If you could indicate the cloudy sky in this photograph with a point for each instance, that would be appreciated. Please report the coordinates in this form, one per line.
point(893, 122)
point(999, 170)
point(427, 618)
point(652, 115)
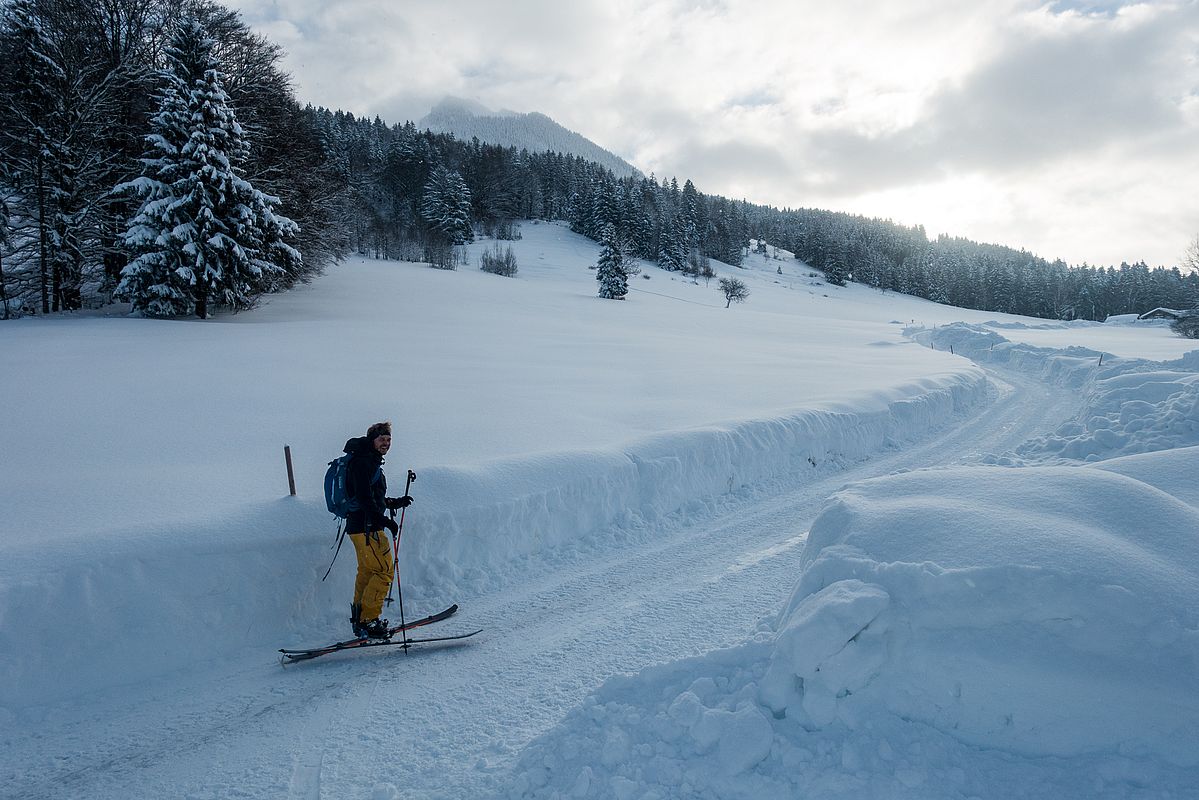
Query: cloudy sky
point(1070, 128)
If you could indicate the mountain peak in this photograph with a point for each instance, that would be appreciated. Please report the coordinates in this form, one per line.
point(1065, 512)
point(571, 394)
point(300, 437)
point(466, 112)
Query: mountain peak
point(450, 104)
point(532, 131)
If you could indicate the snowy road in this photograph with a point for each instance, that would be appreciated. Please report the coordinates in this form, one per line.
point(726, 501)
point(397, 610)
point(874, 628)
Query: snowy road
point(449, 722)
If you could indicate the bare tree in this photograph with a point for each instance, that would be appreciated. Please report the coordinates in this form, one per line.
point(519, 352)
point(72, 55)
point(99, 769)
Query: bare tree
point(1186, 326)
point(734, 291)
point(1190, 259)
point(498, 263)
point(4, 243)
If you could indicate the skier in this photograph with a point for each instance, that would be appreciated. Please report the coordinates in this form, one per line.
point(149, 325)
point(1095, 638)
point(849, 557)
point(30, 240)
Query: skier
point(367, 487)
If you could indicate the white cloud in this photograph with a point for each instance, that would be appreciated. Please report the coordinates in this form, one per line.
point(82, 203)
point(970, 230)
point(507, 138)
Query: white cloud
point(1007, 117)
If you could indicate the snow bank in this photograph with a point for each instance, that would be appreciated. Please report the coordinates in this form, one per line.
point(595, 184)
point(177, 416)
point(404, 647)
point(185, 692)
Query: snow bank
point(151, 601)
point(196, 592)
point(943, 621)
point(1130, 405)
point(1071, 366)
point(483, 520)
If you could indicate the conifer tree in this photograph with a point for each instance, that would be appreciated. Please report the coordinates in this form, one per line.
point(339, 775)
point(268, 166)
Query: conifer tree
point(692, 216)
point(203, 235)
point(672, 249)
point(605, 205)
point(446, 206)
point(835, 269)
point(612, 270)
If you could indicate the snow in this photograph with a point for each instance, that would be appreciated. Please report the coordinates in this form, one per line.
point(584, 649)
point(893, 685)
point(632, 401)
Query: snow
point(952, 633)
point(1132, 405)
point(1153, 338)
point(1016, 621)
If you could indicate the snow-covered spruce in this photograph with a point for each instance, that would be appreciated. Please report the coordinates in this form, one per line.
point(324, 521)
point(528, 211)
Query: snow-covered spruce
point(612, 270)
point(204, 236)
point(446, 206)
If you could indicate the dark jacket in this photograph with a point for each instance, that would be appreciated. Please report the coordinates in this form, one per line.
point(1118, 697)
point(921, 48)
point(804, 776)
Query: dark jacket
point(366, 485)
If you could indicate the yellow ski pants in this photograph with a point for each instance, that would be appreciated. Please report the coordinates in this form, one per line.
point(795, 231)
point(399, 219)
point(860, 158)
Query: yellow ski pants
point(375, 571)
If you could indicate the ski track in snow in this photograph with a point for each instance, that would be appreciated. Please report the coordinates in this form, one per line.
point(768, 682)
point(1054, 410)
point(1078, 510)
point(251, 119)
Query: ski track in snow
point(449, 721)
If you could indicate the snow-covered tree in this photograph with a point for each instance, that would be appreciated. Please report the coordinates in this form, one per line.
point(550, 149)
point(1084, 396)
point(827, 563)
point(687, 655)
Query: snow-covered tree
point(203, 235)
point(5, 242)
point(446, 206)
point(836, 271)
point(605, 206)
point(612, 270)
point(29, 110)
point(58, 101)
point(672, 251)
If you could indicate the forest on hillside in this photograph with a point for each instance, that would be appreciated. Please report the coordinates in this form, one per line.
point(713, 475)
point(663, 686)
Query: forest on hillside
point(153, 151)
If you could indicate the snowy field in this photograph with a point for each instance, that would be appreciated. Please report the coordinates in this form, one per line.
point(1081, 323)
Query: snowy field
point(1017, 620)
point(1112, 337)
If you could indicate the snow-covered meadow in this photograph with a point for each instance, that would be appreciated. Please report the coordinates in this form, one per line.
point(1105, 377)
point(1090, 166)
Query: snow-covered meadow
point(1022, 625)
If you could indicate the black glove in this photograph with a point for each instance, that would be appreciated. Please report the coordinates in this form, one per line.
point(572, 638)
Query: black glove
point(391, 525)
point(396, 503)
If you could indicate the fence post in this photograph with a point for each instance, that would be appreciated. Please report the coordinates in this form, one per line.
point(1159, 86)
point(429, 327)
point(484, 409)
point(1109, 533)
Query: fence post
point(291, 476)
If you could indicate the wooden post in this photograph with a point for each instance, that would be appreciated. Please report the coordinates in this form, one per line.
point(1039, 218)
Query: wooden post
point(291, 476)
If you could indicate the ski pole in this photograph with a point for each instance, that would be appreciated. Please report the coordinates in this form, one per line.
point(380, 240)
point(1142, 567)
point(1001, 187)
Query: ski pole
point(395, 540)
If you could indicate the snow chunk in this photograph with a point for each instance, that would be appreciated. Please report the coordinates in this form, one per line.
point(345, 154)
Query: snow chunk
point(743, 737)
point(821, 631)
point(1048, 611)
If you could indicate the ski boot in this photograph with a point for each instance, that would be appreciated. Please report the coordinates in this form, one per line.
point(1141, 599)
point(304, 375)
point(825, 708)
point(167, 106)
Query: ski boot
point(374, 629)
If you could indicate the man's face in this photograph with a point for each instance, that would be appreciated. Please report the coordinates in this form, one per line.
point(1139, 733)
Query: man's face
point(383, 443)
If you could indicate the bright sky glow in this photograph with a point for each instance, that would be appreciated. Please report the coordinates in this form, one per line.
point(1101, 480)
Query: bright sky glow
point(1067, 128)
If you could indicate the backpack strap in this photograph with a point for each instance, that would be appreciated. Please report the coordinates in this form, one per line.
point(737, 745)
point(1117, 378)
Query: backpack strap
point(341, 535)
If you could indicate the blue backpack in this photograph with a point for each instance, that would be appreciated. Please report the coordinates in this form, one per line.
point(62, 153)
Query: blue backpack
point(336, 497)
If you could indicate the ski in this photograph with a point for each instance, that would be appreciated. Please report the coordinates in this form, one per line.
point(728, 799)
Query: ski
point(350, 643)
point(290, 657)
